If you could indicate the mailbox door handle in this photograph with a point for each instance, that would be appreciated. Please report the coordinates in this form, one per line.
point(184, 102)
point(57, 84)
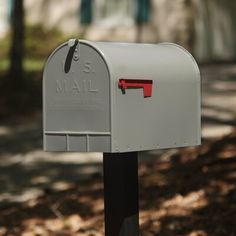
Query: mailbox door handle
point(72, 47)
point(136, 83)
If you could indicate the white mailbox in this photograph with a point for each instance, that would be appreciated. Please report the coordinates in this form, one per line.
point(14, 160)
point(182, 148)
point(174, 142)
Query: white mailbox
point(120, 97)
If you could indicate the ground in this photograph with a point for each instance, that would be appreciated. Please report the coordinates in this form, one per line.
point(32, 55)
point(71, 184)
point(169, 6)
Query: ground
point(188, 192)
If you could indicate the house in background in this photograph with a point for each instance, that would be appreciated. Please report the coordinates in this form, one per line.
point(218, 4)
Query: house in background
point(4, 17)
point(205, 27)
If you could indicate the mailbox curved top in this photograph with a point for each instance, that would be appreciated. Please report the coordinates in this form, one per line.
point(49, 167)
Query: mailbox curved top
point(119, 55)
point(120, 97)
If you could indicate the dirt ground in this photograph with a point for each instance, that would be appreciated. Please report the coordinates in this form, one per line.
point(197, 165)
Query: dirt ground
point(191, 192)
point(185, 192)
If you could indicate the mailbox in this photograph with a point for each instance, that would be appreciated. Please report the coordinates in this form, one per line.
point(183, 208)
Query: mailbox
point(120, 97)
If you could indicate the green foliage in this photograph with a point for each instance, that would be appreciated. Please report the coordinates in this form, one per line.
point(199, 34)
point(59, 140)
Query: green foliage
point(234, 114)
point(40, 42)
point(4, 48)
point(29, 64)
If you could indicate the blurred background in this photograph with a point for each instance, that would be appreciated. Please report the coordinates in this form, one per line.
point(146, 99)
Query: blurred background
point(189, 191)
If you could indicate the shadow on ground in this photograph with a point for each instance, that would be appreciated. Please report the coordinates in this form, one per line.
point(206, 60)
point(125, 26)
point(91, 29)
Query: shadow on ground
point(218, 99)
point(192, 192)
point(196, 192)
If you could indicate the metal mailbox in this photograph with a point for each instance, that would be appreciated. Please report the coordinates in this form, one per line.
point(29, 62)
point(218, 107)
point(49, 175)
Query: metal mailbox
point(120, 97)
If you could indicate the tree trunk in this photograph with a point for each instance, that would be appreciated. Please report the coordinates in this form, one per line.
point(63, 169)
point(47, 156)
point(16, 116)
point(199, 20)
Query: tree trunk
point(17, 44)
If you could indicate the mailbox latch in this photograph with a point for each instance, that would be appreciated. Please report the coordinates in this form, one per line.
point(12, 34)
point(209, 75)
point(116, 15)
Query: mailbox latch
point(136, 83)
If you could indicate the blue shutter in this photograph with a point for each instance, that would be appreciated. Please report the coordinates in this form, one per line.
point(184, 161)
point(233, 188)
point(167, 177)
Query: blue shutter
point(86, 12)
point(10, 5)
point(143, 11)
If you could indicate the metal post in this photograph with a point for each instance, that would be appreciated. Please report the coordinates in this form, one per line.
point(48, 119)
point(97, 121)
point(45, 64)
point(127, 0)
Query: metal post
point(121, 194)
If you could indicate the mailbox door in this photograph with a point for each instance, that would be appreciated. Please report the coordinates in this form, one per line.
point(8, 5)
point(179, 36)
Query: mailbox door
point(76, 100)
point(166, 117)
